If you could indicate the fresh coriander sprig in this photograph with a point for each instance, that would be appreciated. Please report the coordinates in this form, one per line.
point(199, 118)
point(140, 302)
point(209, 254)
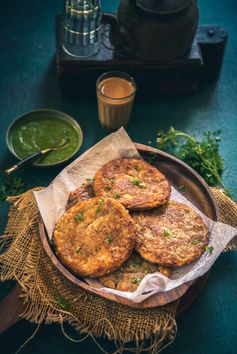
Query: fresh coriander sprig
point(61, 301)
point(98, 210)
point(79, 217)
point(109, 239)
point(202, 155)
point(138, 182)
point(182, 188)
point(166, 234)
point(137, 168)
point(90, 180)
point(11, 186)
point(209, 249)
point(136, 280)
point(195, 242)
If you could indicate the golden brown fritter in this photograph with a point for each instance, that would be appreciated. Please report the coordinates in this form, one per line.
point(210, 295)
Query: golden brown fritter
point(84, 192)
point(94, 237)
point(131, 273)
point(171, 235)
point(134, 183)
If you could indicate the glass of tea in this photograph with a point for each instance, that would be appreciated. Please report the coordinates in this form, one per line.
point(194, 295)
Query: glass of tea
point(115, 93)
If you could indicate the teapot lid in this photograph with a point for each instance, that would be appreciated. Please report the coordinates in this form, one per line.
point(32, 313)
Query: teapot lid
point(162, 7)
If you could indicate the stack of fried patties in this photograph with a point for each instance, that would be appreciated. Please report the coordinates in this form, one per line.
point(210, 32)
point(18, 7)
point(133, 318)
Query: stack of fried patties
point(122, 226)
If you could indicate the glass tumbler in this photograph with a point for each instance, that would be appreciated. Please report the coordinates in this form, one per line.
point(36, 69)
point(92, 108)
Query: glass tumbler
point(115, 94)
point(82, 27)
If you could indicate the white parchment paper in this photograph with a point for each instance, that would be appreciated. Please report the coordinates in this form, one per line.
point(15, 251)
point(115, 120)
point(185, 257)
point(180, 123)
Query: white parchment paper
point(52, 203)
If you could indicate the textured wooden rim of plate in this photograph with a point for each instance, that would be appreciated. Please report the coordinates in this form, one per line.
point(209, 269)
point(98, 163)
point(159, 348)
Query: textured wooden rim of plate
point(188, 292)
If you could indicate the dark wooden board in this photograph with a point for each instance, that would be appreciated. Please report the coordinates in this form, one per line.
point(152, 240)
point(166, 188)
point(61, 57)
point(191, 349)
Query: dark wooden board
point(77, 76)
point(196, 190)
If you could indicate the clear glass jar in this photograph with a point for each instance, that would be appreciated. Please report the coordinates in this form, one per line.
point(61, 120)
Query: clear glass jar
point(82, 27)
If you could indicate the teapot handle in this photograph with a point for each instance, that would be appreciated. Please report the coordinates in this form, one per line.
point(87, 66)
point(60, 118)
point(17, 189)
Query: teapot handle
point(114, 27)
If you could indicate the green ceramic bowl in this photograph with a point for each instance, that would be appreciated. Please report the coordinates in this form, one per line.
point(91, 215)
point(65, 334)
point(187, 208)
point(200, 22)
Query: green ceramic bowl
point(17, 136)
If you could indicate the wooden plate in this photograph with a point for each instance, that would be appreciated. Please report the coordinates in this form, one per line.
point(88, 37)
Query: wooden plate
point(196, 190)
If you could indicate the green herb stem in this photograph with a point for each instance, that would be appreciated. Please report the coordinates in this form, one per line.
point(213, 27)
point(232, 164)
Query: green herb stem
point(202, 155)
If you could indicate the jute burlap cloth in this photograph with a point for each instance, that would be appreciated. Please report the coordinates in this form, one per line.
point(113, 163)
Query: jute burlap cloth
point(49, 297)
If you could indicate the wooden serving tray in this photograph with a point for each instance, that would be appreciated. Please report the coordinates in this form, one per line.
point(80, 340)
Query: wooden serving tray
point(196, 190)
point(184, 76)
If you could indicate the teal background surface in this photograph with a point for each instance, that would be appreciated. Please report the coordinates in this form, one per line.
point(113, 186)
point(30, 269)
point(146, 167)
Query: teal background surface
point(28, 81)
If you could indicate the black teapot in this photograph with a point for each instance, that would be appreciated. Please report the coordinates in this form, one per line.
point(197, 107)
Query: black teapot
point(154, 30)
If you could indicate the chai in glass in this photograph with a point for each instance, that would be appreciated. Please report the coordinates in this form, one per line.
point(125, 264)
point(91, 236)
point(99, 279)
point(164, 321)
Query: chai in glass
point(115, 94)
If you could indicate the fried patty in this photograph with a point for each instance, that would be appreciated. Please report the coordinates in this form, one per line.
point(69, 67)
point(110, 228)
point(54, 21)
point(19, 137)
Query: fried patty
point(134, 183)
point(84, 192)
point(131, 273)
point(171, 236)
point(94, 237)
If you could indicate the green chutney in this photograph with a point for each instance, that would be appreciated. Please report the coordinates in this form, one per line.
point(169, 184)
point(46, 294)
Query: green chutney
point(34, 135)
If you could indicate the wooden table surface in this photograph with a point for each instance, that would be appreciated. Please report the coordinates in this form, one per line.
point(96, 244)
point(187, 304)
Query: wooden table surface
point(28, 81)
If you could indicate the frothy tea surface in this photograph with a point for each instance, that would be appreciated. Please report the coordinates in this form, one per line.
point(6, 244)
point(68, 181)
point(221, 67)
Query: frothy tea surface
point(116, 88)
